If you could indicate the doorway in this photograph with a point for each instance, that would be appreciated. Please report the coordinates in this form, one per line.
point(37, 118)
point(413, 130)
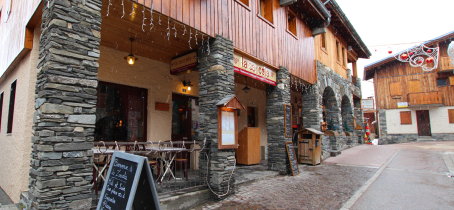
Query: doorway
point(251, 117)
point(182, 117)
point(423, 120)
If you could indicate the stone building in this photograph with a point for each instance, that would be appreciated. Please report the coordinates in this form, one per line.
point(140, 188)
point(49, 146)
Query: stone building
point(68, 86)
point(414, 103)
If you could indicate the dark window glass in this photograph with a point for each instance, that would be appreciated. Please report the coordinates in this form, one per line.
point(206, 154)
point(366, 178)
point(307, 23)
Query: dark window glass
point(442, 82)
point(1, 110)
point(120, 113)
point(12, 99)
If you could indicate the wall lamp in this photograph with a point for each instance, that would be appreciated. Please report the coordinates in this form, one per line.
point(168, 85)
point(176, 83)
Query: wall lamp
point(246, 89)
point(188, 84)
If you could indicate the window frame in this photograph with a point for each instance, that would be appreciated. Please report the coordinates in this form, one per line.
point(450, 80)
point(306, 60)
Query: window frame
point(400, 90)
point(12, 104)
point(266, 17)
point(293, 22)
point(247, 6)
point(323, 43)
point(338, 49)
point(145, 105)
point(344, 57)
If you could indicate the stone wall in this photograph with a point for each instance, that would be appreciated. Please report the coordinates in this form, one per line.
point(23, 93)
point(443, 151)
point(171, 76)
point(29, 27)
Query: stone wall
point(216, 80)
point(64, 120)
point(276, 97)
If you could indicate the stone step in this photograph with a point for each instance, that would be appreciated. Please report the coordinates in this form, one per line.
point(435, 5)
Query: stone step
point(425, 138)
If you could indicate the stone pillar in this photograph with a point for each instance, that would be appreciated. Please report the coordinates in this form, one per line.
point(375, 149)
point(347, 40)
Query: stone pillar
point(276, 97)
point(216, 80)
point(64, 120)
point(311, 107)
point(382, 128)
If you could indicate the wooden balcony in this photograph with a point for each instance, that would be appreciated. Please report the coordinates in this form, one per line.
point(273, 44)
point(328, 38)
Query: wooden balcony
point(425, 98)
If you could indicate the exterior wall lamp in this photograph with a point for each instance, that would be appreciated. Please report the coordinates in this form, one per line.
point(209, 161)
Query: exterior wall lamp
point(246, 89)
point(131, 59)
point(188, 83)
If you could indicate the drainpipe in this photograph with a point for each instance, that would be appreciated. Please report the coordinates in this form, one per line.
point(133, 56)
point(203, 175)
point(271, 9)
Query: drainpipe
point(320, 6)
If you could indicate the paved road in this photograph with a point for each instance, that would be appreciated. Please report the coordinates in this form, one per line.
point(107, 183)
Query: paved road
point(403, 176)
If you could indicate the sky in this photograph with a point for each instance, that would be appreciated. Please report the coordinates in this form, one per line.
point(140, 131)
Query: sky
point(382, 24)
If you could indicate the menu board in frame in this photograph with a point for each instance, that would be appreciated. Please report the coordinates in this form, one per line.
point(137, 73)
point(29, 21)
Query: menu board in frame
point(288, 121)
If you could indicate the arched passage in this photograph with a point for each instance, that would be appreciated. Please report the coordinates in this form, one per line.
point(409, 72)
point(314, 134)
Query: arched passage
point(347, 114)
point(330, 109)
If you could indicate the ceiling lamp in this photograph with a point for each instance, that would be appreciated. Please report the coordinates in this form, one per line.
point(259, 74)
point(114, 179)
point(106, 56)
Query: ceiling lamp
point(131, 59)
point(246, 89)
point(188, 83)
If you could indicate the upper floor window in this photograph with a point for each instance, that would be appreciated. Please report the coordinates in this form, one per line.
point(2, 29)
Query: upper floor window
point(443, 79)
point(344, 58)
point(266, 10)
point(338, 49)
point(245, 2)
point(323, 41)
point(291, 22)
point(12, 99)
point(1, 110)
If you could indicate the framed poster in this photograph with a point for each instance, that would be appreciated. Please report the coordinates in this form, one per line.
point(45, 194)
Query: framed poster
point(367, 104)
point(227, 128)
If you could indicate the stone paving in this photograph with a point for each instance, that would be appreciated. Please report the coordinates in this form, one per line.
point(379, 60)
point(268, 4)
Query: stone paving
point(326, 186)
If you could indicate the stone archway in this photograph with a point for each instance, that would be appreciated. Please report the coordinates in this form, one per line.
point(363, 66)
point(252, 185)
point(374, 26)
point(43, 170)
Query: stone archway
point(330, 109)
point(347, 114)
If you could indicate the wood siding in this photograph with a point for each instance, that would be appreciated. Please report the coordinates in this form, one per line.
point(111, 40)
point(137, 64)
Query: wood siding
point(251, 35)
point(411, 79)
point(328, 55)
point(13, 31)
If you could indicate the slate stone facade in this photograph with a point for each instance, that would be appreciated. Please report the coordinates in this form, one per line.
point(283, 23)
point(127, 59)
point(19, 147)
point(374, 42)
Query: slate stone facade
point(216, 80)
point(276, 97)
point(64, 120)
point(332, 88)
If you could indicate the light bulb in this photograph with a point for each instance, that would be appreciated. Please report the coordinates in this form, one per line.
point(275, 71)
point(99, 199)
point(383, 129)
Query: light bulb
point(189, 88)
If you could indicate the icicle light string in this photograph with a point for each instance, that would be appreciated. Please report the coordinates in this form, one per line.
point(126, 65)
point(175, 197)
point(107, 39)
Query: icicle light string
point(133, 9)
point(144, 18)
point(123, 4)
point(168, 28)
point(175, 30)
point(108, 8)
point(190, 34)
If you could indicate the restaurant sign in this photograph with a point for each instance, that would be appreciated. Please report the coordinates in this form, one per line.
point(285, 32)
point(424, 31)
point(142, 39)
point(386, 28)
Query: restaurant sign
point(183, 63)
point(251, 69)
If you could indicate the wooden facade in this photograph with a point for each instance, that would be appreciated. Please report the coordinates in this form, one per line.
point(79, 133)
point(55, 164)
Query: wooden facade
point(397, 81)
point(252, 35)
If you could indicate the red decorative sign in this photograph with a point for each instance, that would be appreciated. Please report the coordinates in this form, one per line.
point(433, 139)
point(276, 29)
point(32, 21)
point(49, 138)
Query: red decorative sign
point(183, 63)
point(253, 70)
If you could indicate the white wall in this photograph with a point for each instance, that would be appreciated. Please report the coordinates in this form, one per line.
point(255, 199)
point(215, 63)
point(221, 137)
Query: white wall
point(439, 121)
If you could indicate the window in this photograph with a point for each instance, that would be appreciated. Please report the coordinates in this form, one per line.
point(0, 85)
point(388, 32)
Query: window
point(291, 24)
point(266, 10)
point(12, 99)
point(451, 115)
point(245, 2)
point(442, 82)
point(120, 113)
point(405, 118)
point(338, 48)
point(344, 54)
point(323, 41)
point(1, 110)
point(394, 89)
point(414, 86)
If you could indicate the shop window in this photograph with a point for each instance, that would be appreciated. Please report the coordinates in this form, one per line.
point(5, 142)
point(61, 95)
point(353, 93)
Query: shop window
point(266, 10)
point(245, 2)
point(1, 110)
point(12, 99)
point(323, 41)
point(121, 113)
point(291, 24)
point(405, 118)
point(394, 89)
point(451, 115)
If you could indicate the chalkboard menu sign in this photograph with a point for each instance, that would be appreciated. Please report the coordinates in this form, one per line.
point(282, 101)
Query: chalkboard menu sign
point(292, 158)
point(288, 120)
point(129, 184)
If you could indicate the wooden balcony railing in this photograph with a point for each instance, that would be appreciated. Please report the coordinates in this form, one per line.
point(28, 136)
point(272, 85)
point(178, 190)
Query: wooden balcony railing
point(425, 98)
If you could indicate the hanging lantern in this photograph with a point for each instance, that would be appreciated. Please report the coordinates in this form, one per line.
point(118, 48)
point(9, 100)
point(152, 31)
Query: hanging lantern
point(404, 56)
point(429, 60)
point(429, 51)
point(131, 59)
point(419, 61)
point(411, 53)
point(390, 51)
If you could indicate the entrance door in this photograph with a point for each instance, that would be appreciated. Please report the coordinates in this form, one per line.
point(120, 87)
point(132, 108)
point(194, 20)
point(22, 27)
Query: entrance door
point(251, 117)
point(181, 117)
point(422, 117)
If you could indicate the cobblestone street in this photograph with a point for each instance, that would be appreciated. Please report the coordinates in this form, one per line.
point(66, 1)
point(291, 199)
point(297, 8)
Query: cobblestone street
point(326, 186)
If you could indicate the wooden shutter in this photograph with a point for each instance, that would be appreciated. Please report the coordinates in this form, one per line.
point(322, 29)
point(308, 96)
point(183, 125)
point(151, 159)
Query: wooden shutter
point(414, 86)
point(394, 89)
point(405, 118)
point(451, 80)
point(451, 115)
point(446, 64)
